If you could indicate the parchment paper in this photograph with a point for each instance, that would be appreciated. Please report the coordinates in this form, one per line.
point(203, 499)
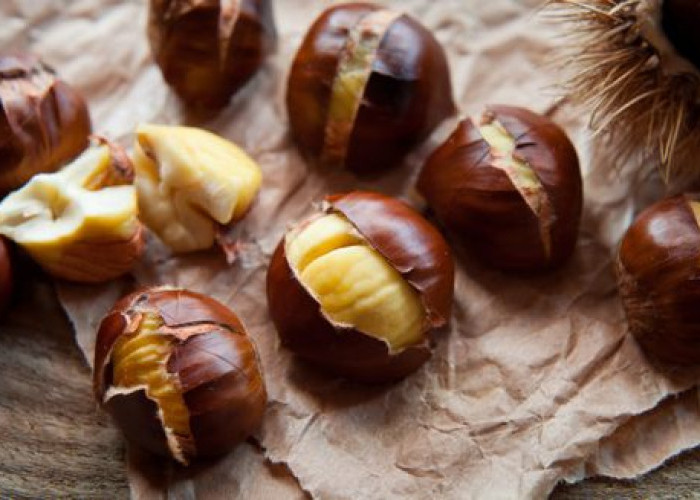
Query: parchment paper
point(535, 381)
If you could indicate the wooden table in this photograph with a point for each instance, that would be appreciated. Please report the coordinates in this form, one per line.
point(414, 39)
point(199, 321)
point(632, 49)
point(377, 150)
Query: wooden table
point(55, 442)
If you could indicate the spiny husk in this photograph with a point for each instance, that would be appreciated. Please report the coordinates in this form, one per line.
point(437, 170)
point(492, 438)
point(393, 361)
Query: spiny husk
point(641, 92)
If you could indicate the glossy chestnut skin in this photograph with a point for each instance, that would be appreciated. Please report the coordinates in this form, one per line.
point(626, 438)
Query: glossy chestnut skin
point(216, 365)
point(679, 19)
point(412, 246)
point(658, 267)
point(44, 122)
point(6, 276)
point(408, 93)
point(479, 204)
point(208, 49)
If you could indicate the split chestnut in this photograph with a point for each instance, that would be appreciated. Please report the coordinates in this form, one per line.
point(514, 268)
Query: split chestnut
point(358, 288)
point(178, 373)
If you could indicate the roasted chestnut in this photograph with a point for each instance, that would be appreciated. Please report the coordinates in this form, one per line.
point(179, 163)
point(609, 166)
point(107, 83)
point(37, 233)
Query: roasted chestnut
point(366, 85)
point(208, 49)
point(178, 373)
point(358, 288)
point(658, 268)
point(43, 121)
point(508, 185)
point(5, 274)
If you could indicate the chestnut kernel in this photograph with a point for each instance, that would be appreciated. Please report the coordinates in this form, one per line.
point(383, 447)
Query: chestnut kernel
point(43, 121)
point(358, 289)
point(658, 268)
point(366, 85)
point(178, 373)
point(207, 50)
point(508, 185)
point(80, 223)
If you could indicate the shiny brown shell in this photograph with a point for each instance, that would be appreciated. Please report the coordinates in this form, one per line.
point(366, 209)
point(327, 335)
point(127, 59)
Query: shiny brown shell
point(408, 93)
point(479, 204)
point(658, 267)
point(44, 122)
point(215, 362)
point(208, 49)
point(412, 246)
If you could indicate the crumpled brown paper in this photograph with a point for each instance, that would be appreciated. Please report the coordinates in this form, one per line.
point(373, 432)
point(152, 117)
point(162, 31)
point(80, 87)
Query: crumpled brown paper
point(536, 379)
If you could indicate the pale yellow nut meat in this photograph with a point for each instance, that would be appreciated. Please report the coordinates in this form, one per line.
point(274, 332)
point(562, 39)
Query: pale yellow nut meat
point(53, 213)
point(354, 284)
point(189, 181)
point(140, 360)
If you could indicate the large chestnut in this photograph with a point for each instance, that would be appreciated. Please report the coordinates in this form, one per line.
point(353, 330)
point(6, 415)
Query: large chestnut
point(358, 288)
point(178, 373)
point(366, 85)
point(658, 267)
point(208, 49)
point(43, 121)
point(507, 184)
point(5, 274)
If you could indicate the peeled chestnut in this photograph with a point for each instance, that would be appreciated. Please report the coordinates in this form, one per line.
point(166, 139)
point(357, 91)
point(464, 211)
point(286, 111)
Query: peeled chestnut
point(43, 121)
point(508, 185)
point(358, 288)
point(366, 85)
point(5, 274)
point(178, 373)
point(208, 49)
point(658, 267)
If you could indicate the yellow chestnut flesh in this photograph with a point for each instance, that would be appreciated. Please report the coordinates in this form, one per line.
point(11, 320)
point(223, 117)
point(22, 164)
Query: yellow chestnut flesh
point(139, 360)
point(190, 182)
point(77, 223)
point(355, 286)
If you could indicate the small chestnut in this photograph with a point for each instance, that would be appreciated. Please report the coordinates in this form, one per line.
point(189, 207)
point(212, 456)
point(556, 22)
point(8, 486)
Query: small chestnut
point(207, 50)
point(6, 283)
point(508, 185)
point(43, 121)
point(658, 268)
point(366, 85)
point(358, 288)
point(178, 373)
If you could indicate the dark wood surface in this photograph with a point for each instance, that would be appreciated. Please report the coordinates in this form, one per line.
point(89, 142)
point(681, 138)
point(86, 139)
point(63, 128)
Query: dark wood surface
point(55, 443)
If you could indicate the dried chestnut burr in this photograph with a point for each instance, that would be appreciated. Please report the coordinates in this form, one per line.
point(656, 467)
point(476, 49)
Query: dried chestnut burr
point(366, 85)
point(43, 121)
point(358, 288)
point(178, 373)
point(658, 267)
point(208, 49)
point(508, 185)
point(5, 274)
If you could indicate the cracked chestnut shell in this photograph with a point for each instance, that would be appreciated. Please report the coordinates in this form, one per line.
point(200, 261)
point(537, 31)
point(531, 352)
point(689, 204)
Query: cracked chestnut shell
point(208, 49)
point(507, 185)
point(178, 373)
point(658, 268)
point(43, 121)
point(5, 274)
point(363, 296)
point(366, 85)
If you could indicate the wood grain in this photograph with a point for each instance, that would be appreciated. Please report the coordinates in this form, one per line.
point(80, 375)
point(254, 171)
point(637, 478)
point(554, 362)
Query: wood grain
point(55, 442)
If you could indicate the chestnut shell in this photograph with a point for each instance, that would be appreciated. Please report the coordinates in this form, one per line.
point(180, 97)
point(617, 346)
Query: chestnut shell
point(6, 276)
point(658, 267)
point(408, 93)
point(184, 37)
point(217, 368)
point(44, 122)
point(479, 204)
point(412, 246)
